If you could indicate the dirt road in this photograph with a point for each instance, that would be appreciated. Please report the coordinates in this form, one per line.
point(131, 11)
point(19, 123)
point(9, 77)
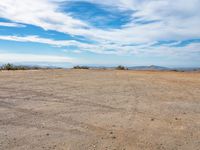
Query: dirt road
point(99, 110)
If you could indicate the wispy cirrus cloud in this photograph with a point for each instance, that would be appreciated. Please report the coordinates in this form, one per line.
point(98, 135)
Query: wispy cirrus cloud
point(47, 14)
point(10, 24)
point(42, 13)
point(31, 58)
point(37, 39)
point(118, 49)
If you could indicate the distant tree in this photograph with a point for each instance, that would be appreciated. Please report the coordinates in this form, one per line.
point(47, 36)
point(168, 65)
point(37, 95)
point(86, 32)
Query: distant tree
point(81, 67)
point(19, 67)
point(121, 68)
point(8, 67)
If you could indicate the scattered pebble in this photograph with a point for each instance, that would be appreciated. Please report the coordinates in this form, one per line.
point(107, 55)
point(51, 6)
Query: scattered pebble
point(177, 119)
point(114, 137)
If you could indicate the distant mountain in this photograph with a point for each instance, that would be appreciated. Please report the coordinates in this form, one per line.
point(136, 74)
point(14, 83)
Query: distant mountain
point(152, 67)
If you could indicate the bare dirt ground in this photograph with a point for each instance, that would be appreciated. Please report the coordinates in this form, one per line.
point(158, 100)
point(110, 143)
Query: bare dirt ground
point(99, 110)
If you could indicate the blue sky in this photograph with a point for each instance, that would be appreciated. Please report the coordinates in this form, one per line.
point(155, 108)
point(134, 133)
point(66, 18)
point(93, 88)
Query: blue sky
point(102, 33)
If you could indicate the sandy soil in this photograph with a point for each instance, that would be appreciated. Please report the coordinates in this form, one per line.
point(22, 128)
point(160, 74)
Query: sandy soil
point(99, 110)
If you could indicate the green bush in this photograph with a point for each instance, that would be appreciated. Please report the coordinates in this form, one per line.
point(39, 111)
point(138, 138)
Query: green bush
point(8, 67)
point(81, 67)
point(121, 68)
point(19, 67)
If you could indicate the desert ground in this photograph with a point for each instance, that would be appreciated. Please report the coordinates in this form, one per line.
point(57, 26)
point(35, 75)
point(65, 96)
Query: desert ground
point(99, 110)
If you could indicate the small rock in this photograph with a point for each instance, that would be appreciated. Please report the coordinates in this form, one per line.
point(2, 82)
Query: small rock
point(176, 118)
point(114, 137)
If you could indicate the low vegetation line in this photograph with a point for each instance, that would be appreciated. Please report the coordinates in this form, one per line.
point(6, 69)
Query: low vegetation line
point(21, 67)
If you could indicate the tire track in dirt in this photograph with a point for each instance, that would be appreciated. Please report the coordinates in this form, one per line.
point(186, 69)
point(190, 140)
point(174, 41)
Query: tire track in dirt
point(60, 99)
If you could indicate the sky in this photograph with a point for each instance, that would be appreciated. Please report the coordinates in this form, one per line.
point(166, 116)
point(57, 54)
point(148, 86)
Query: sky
point(100, 32)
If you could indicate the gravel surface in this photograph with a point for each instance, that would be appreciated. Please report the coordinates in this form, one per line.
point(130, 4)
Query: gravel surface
point(99, 110)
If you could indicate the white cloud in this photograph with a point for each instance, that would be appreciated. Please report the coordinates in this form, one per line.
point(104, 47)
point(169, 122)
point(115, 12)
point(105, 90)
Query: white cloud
point(25, 58)
point(118, 49)
point(8, 24)
point(37, 39)
point(42, 13)
point(178, 20)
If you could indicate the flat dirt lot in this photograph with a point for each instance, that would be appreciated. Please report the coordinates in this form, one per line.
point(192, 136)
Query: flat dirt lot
point(99, 110)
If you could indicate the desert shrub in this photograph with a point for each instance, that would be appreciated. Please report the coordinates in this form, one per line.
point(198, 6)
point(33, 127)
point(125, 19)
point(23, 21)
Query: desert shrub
point(121, 68)
point(175, 70)
point(18, 67)
point(81, 67)
point(13, 67)
point(8, 67)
